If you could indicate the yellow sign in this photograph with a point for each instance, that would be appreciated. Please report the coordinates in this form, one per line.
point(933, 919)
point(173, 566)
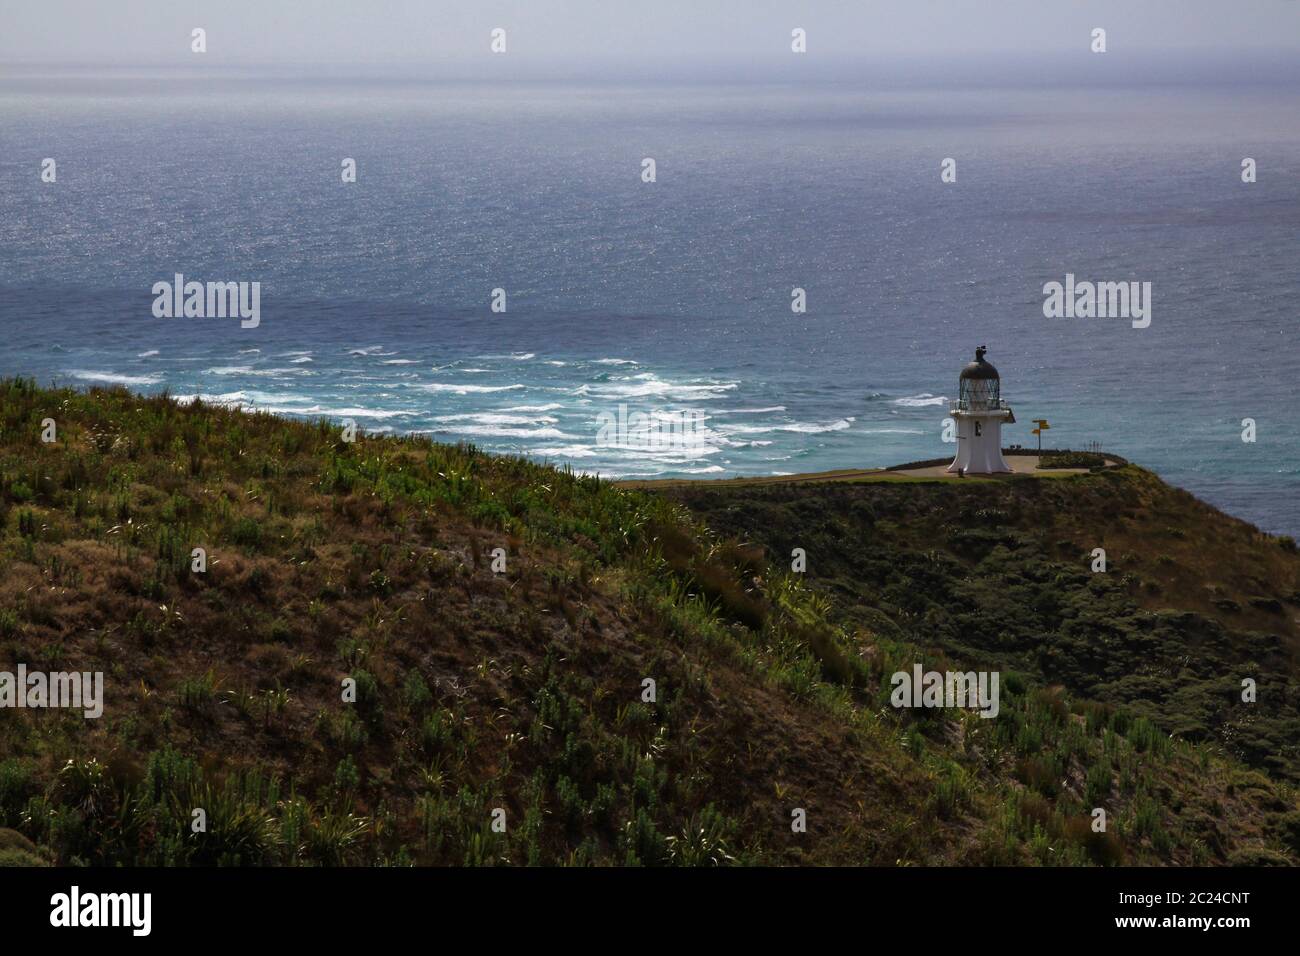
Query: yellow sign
point(1041, 423)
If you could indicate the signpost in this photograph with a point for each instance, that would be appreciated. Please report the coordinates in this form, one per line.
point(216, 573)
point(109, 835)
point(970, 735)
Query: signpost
point(1042, 427)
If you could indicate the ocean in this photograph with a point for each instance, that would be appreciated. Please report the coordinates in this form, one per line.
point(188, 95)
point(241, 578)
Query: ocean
point(673, 297)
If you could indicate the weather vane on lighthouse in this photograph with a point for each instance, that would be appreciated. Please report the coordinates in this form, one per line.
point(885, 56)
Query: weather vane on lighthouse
point(979, 414)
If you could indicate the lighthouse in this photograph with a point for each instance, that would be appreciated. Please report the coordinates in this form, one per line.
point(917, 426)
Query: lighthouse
point(979, 414)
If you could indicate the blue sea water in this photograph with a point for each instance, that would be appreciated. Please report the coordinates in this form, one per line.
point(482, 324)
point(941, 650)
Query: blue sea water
point(675, 295)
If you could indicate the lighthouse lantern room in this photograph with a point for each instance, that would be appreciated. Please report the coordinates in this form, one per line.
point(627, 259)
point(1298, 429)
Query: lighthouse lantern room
point(979, 414)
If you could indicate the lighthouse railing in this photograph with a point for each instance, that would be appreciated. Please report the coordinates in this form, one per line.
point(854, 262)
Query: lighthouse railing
point(980, 405)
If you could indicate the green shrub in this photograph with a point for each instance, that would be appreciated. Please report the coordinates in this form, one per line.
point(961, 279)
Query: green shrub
point(17, 786)
point(17, 850)
point(247, 533)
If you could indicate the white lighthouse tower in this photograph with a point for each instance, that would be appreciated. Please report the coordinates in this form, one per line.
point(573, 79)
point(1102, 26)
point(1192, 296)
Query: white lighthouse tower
point(979, 414)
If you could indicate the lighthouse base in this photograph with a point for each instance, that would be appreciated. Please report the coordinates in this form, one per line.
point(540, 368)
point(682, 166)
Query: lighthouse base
point(979, 442)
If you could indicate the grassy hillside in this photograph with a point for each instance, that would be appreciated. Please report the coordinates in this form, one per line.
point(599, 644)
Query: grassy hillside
point(522, 690)
point(1000, 575)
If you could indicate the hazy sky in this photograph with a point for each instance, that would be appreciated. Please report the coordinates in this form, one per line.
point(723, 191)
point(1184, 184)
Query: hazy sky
point(572, 32)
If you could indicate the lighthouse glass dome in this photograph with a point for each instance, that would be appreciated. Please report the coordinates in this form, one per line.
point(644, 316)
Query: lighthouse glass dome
point(980, 385)
point(976, 393)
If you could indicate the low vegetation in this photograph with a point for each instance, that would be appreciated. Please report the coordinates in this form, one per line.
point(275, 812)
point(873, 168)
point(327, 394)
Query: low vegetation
point(1071, 459)
point(485, 694)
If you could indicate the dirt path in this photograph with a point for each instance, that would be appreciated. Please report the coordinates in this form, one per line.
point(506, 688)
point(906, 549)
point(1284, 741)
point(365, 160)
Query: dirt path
point(1020, 465)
